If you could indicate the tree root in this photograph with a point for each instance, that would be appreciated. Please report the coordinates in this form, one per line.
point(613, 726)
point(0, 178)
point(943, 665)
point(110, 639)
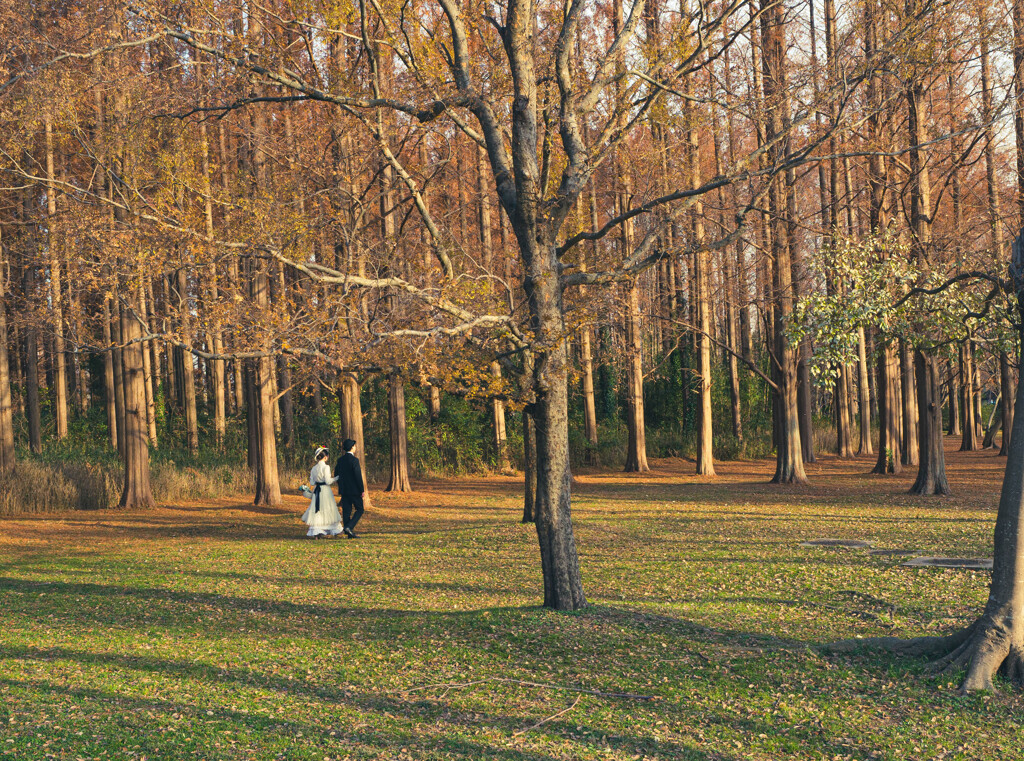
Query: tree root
point(981, 650)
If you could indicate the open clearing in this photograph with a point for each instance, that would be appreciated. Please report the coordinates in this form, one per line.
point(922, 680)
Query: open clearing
point(216, 631)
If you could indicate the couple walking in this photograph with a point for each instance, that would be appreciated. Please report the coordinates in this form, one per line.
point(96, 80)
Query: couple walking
point(322, 514)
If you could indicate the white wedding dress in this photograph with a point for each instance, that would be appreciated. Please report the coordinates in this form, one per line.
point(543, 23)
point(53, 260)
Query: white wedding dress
point(328, 519)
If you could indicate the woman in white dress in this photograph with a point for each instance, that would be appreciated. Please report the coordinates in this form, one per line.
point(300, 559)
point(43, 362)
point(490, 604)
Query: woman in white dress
point(322, 515)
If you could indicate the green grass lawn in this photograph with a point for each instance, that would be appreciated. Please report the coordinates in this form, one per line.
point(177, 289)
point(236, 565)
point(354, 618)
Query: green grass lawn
point(217, 632)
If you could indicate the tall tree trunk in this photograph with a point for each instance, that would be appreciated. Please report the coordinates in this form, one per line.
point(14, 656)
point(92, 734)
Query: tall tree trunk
point(1006, 386)
point(399, 480)
point(215, 337)
point(970, 434)
point(262, 404)
point(863, 394)
point(636, 449)
point(931, 478)
point(7, 454)
point(888, 410)
point(954, 401)
point(54, 245)
point(498, 419)
point(135, 449)
point(910, 451)
point(110, 401)
point(931, 475)
point(529, 467)
point(186, 362)
point(789, 466)
point(147, 372)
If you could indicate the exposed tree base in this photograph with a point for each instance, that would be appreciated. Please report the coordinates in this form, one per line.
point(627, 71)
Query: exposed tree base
point(982, 650)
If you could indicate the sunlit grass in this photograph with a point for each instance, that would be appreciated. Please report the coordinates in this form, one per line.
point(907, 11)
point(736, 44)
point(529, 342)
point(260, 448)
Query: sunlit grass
point(215, 631)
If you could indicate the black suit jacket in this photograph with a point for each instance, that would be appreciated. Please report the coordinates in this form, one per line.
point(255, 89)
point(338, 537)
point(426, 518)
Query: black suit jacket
point(350, 475)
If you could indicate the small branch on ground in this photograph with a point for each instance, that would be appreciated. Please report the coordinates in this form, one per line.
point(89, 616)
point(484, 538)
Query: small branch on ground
point(549, 718)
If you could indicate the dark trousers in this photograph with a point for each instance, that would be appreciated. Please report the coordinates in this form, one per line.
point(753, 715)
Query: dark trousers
point(349, 517)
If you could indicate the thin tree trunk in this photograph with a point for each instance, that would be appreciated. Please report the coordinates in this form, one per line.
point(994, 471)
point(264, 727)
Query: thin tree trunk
point(954, 401)
point(7, 454)
point(187, 380)
point(863, 394)
point(147, 372)
point(60, 383)
point(911, 449)
point(970, 433)
point(110, 402)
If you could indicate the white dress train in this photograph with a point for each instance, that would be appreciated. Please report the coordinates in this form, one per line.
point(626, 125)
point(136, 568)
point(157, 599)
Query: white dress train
point(328, 520)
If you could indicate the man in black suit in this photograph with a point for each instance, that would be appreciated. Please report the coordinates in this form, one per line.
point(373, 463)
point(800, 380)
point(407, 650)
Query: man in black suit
point(351, 488)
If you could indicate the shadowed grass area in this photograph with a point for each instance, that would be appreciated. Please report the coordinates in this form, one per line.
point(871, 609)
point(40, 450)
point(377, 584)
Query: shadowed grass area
point(215, 631)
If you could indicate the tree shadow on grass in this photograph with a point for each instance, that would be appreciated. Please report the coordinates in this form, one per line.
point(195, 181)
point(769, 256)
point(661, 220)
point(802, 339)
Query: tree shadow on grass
point(437, 714)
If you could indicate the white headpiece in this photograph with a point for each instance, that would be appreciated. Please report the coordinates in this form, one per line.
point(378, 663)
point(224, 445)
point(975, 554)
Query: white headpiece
point(319, 451)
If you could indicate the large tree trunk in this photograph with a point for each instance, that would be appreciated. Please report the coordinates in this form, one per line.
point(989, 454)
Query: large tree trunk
point(1006, 386)
point(352, 410)
point(931, 475)
point(563, 587)
point(789, 462)
point(399, 480)
point(261, 408)
point(136, 492)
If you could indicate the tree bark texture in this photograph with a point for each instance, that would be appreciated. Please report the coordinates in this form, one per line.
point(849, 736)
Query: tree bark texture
point(399, 480)
point(136, 493)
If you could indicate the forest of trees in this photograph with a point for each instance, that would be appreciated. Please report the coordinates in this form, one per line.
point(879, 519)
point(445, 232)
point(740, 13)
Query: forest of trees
point(748, 226)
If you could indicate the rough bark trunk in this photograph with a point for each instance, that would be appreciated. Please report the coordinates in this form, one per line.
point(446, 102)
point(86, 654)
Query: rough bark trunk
point(970, 423)
point(931, 475)
point(789, 465)
point(529, 467)
point(1006, 385)
point(888, 409)
point(399, 480)
point(136, 492)
point(261, 409)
